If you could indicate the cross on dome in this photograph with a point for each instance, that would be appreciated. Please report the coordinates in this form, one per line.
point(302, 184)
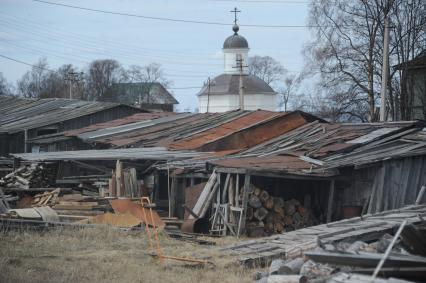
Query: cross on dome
point(235, 28)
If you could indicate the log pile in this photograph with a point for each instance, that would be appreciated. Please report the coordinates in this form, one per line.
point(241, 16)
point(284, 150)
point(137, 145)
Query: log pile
point(35, 175)
point(267, 214)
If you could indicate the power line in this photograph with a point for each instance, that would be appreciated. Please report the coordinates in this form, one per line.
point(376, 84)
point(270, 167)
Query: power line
point(36, 35)
point(94, 40)
point(171, 19)
point(46, 69)
point(25, 63)
point(69, 57)
point(264, 1)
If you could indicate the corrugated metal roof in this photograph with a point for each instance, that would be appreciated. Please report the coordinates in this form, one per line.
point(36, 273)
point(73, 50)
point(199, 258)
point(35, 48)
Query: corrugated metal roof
point(153, 153)
point(318, 149)
point(162, 131)
point(233, 130)
point(197, 140)
point(19, 114)
point(138, 117)
point(128, 130)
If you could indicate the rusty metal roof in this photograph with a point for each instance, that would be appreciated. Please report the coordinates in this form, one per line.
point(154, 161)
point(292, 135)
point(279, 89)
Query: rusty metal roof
point(319, 149)
point(244, 132)
point(192, 128)
point(233, 130)
point(197, 140)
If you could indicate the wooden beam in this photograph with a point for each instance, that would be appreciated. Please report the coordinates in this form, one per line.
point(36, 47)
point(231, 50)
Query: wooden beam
point(225, 187)
point(246, 191)
point(230, 170)
point(330, 201)
point(204, 196)
point(271, 174)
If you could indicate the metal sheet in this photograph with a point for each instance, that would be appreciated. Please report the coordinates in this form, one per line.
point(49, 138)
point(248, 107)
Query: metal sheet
point(26, 213)
point(47, 214)
point(223, 130)
point(125, 220)
point(119, 122)
point(136, 209)
point(199, 226)
point(19, 114)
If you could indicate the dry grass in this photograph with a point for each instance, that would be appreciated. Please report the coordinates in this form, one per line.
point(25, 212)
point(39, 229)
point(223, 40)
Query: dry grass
point(105, 255)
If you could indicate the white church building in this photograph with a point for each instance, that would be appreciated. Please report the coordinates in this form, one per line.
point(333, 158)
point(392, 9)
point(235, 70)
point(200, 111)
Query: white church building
point(223, 92)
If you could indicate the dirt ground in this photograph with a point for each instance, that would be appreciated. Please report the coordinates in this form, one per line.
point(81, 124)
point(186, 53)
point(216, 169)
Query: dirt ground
point(106, 255)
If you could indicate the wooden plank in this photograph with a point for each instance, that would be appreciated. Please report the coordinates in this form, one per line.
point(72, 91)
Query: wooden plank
point(231, 197)
point(118, 178)
point(366, 259)
point(244, 204)
point(208, 200)
point(225, 187)
point(204, 195)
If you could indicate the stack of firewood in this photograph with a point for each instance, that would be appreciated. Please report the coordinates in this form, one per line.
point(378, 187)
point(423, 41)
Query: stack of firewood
point(267, 214)
point(33, 175)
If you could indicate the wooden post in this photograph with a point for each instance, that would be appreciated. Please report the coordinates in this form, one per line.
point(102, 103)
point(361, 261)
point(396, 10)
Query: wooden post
point(156, 187)
point(25, 140)
point(225, 188)
point(330, 201)
point(237, 190)
point(231, 197)
point(246, 190)
point(172, 197)
point(118, 176)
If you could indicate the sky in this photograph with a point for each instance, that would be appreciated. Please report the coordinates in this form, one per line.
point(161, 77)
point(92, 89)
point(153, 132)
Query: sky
point(188, 52)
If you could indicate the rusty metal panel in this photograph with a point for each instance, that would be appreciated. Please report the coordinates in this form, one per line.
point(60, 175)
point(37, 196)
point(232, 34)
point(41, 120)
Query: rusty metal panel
point(257, 133)
point(200, 139)
point(125, 220)
point(191, 196)
point(136, 209)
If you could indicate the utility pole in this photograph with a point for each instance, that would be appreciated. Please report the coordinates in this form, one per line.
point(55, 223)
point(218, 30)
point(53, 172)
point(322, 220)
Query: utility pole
point(241, 67)
point(73, 77)
point(209, 84)
point(385, 74)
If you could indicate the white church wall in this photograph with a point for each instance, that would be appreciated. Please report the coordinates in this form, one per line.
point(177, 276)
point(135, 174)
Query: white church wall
point(223, 103)
point(230, 59)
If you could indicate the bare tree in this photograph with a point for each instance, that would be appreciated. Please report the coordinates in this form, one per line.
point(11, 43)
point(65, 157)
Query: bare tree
point(41, 82)
point(5, 87)
point(408, 39)
point(101, 75)
point(31, 83)
point(343, 49)
point(151, 73)
point(347, 50)
point(266, 68)
point(286, 92)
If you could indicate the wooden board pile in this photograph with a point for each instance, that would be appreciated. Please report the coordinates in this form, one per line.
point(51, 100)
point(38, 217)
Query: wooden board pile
point(124, 182)
point(35, 175)
point(76, 203)
point(45, 198)
point(269, 214)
